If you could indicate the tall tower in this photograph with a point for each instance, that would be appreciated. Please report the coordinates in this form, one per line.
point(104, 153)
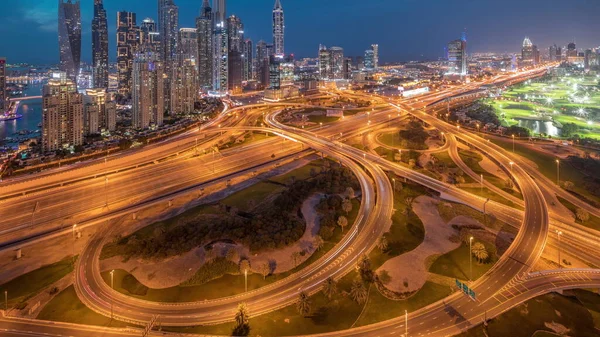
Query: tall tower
point(3, 97)
point(375, 48)
point(69, 37)
point(248, 59)
point(128, 40)
point(204, 29)
point(278, 29)
point(62, 114)
point(235, 30)
point(148, 89)
point(149, 35)
point(100, 45)
point(221, 47)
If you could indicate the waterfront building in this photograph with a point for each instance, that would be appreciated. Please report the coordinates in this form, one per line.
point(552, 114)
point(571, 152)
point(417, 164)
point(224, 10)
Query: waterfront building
point(100, 46)
point(62, 113)
point(69, 37)
point(99, 102)
point(278, 29)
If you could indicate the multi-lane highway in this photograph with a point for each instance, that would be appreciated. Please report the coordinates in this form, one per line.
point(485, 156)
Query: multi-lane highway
point(511, 271)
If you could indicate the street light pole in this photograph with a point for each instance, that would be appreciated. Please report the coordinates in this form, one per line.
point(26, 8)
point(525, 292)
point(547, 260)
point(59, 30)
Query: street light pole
point(246, 279)
point(481, 186)
point(484, 213)
point(112, 286)
point(6, 300)
point(471, 258)
point(405, 323)
point(557, 172)
point(558, 234)
point(513, 137)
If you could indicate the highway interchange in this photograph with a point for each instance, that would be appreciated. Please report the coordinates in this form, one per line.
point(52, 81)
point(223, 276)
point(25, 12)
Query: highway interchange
point(456, 313)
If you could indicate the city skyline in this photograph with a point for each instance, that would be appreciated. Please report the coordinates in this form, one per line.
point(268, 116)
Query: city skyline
point(484, 34)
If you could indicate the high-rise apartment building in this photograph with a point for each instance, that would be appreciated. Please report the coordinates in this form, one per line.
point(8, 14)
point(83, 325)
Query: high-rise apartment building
point(369, 60)
point(188, 44)
point(149, 35)
point(325, 71)
point(278, 29)
point(184, 85)
point(3, 94)
point(262, 63)
point(204, 29)
point(100, 112)
point(69, 37)
point(337, 63)
point(148, 90)
point(527, 57)
point(128, 40)
point(235, 31)
point(62, 113)
point(100, 46)
point(168, 24)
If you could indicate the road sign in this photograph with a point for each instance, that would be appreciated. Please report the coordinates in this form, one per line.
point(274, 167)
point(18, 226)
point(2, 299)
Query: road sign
point(465, 289)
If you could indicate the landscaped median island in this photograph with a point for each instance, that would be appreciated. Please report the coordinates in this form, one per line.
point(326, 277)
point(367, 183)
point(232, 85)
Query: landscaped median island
point(269, 231)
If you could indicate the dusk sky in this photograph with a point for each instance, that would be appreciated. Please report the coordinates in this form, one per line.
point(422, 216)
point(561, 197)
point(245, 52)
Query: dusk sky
point(404, 29)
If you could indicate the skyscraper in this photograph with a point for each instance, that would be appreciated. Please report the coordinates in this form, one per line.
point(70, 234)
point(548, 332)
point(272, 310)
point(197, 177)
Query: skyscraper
point(3, 96)
point(187, 45)
point(278, 29)
point(62, 113)
point(100, 45)
point(375, 48)
point(204, 29)
point(69, 37)
point(184, 86)
point(248, 59)
point(98, 103)
point(128, 39)
point(149, 35)
point(337, 63)
point(148, 90)
point(262, 63)
point(325, 71)
point(221, 47)
point(369, 61)
point(235, 31)
point(457, 57)
point(527, 57)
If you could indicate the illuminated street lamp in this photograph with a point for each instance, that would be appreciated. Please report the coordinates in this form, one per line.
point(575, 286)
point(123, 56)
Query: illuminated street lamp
point(558, 235)
point(112, 286)
point(511, 167)
point(557, 172)
point(513, 138)
point(471, 258)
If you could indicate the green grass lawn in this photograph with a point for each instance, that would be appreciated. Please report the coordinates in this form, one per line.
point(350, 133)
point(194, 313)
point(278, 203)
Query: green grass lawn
point(593, 222)
point(455, 264)
point(487, 194)
point(546, 164)
point(472, 159)
point(525, 320)
point(226, 285)
point(27, 285)
point(322, 119)
point(300, 173)
point(449, 213)
point(66, 307)
point(257, 192)
point(326, 315)
point(380, 308)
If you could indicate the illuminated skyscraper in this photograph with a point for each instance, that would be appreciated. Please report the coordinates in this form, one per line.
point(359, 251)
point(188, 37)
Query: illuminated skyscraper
point(128, 40)
point(375, 48)
point(100, 46)
point(337, 63)
point(204, 29)
point(3, 96)
point(184, 86)
point(457, 57)
point(62, 113)
point(100, 111)
point(69, 37)
point(262, 63)
point(149, 35)
point(187, 46)
point(235, 31)
point(278, 29)
point(221, 47)
point(527, 57)
point(168, 24)
point(369, 61)
point(248, 59)
point(148, 90)
point(325, 71)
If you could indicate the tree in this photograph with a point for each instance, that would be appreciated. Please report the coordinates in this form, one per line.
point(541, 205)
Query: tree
point(350, 193)
point(382, 243)
point(295, 258)
point(329, 287)
point(265, 269)
point(244, 266)
point(358, 292)
point(567, 185)
point(582, 215)
point(242, 321)
point(480, 252)
point(347, 206)
point(303, 304)
point(318, 242)
point(342, 222)
point(232, 255)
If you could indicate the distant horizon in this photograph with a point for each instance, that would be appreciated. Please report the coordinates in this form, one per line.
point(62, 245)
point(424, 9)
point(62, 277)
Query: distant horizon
point(405, 30)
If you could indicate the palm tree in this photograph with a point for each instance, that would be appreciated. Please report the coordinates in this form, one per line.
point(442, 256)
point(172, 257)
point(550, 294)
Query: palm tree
point(408, 202)
point(303, 304)
point(382, 243)
point(329, 287)
point(318, 242)
point(347, 206)
point(350, 192)
point(244, 266)
point(241, 316)
point(295, 258)
point(342, 222)
point(582, 215)
point(358, 292)
point(364, 263)
point(480, 252)
point(265, 269)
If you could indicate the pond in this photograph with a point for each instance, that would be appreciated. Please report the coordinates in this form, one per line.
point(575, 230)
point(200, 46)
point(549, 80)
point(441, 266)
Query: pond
point(537, 127)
